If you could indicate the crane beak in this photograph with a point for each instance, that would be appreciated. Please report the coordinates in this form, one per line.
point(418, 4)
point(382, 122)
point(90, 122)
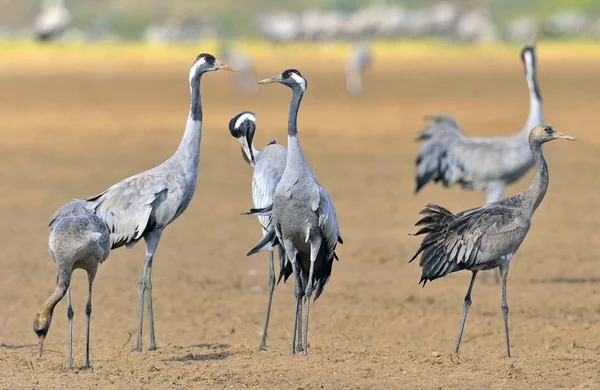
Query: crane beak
point(41, 344)
point(274, 79)
point(220, 65)
point(560, 135)
point(248, 155)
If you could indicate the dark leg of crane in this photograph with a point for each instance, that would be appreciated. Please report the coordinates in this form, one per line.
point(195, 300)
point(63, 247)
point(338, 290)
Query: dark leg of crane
point(504, 275)
point(315, 244)
point(88, 314)
point(70, 315)
point(291, 252)
point(263, 343)
point(300, 335)
point(152, 239)
point(465, 311)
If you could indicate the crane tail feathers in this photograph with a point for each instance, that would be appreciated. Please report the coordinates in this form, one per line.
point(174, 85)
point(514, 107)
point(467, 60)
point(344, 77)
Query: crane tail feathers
point(263, 212)
point(434, 264)
point(268, 241)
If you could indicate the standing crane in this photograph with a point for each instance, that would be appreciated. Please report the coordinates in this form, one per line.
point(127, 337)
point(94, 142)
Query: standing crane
point(303, 217)
point(358, 62)
point(268, 165)
point(52, 21)
point(477, 163)
point(78, 239)
point(486, 237)
point(141, 206)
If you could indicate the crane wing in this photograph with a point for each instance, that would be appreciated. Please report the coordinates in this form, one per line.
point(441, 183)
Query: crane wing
point(472, 239)
point(127, 207)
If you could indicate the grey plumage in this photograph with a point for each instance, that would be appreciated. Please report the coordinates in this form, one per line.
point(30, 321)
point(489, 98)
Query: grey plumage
point(358, 62)
point(268, 165)
point(449, 156)
point(78, 239)
point(141, 206)
point(303, 217)
point(486, 237)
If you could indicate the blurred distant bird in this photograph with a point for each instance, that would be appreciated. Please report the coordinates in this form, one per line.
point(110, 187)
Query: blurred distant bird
point(53, 20)
point(78, 239)
point(268, 164)
point(486, 237)
point(475, 163)
point(303, 217)
point(359, 61)
point(141, 206)
point(245, 80)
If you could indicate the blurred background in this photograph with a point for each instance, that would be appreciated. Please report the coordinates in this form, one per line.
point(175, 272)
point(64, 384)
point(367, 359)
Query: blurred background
point(179, 21)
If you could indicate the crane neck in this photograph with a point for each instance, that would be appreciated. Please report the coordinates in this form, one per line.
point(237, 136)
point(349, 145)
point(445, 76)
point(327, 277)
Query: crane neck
point(294, 155)
point(47, 309)
point(536, 114)
point(189, 147)
point(537, 190)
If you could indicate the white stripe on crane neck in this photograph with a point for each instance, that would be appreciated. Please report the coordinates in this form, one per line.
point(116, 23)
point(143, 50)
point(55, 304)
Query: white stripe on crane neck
point(245, 117)
point(299, 80)
point(528, 61)
point(195, 67)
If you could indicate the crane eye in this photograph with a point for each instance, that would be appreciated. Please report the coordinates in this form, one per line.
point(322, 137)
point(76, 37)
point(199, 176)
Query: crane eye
point(548, 130)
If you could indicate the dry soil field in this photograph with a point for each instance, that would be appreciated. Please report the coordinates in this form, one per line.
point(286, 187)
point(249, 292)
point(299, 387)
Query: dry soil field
point(72, 128)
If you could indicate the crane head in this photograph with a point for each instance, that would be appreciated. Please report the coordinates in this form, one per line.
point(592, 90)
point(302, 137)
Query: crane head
point(205, 62)
point(41, 325)
point(528, 58)
point(544, 133)
point(242, 127)
point(528, 53)
point(291, 78)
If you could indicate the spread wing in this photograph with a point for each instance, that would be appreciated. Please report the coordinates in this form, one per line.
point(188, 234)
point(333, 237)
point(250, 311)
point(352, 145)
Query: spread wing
point(469, 240)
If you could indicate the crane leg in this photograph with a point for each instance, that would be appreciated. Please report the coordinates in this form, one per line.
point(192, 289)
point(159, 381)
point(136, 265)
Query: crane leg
point(70, 315)
point(300, 335)
point(315, 244)
point(88, 314)
point(291, 251)
point(263, 343)
point(465, 311)
point(152, 239)
point(504, 275)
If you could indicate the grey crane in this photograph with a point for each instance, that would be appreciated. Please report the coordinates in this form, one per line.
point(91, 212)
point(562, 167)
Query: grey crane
point(358, 62)
point(141, 206)
point(78, 239)
point(52, 21)
point(268, 165)
point(476, 163)
point(486, 237)
point(303, 217)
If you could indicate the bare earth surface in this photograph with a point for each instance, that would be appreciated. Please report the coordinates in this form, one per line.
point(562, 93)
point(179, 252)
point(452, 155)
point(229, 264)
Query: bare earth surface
point(72, 130)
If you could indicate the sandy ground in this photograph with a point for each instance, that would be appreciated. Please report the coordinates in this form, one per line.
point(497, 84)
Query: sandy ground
point(72, 131)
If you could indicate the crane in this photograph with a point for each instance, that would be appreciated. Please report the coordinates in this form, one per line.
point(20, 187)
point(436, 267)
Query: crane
point(485, 237)
point(304, 220)
point(268, 165)
point(476, 163)
point(53, 20)
point(358, 62)
point(142, 205)
point(78, 239)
